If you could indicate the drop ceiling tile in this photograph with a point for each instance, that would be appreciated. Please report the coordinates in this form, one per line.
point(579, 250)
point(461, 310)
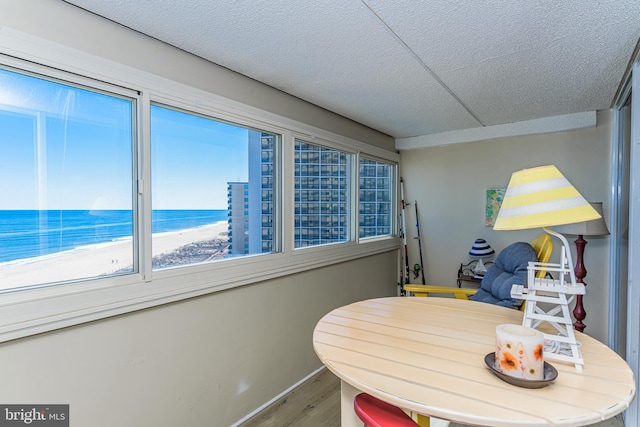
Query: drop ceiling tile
point(408, 67)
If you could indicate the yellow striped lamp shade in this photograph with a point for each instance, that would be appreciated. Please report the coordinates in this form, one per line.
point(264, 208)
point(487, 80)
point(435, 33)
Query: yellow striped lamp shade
point(541, 197)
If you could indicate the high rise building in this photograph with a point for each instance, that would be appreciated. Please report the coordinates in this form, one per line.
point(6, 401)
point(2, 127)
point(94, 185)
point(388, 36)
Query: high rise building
point(238, 217)
point(321, 183)
point(321, 197)
point(375, 198)
point(250, 204)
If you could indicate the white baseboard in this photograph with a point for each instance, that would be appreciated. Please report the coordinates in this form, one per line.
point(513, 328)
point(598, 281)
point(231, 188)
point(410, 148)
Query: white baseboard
point(278, 397)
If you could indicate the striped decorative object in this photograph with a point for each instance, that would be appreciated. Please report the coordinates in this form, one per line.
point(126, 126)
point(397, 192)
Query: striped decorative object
point(541, 197)
point(481, 249)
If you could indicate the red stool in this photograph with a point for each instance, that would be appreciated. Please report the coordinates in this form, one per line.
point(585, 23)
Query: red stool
point(376, 413)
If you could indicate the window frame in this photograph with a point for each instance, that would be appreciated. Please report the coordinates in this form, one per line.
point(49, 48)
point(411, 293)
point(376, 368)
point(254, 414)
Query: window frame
point(275, 177)
point(31, 311)
point(393, 185)
point(352, 187)
point(104, 88)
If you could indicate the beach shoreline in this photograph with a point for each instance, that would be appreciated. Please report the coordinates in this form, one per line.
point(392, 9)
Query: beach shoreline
point(169, 249)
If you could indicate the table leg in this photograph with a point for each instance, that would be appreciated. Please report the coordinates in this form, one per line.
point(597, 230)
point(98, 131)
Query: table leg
point(348, 416)
point(423, 420)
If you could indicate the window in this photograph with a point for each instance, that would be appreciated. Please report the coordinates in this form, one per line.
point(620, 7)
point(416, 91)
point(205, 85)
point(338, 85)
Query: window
point(321, 185)
point(375, 198)
point(212, 185)
point(66, 202)
point(94, 185)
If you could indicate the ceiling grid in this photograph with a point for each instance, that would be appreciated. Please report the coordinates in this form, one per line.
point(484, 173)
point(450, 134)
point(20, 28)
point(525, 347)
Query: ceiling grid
point(408, 68)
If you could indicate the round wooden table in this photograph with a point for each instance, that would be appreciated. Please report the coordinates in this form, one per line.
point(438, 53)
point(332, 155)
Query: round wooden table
point(426, 355)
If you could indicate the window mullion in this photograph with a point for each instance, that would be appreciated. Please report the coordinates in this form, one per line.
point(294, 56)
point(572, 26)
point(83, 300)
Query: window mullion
point(143, 173)
point(287, 230)
point(354, 186)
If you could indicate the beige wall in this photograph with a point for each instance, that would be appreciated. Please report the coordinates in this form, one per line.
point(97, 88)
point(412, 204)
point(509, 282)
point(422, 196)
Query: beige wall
point(205, 361)
point(449, 184)
point(208, 361)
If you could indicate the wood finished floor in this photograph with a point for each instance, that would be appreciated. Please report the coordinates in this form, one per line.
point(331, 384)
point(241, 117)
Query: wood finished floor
point(316, 403)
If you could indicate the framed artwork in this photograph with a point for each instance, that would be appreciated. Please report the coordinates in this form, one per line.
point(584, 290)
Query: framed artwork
point(493, 202)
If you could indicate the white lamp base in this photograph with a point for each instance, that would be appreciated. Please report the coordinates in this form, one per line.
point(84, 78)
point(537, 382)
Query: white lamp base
point(556, 294)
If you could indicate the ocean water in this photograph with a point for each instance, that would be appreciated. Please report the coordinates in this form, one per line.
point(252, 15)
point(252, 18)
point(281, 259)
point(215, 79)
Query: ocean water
point(31, 233)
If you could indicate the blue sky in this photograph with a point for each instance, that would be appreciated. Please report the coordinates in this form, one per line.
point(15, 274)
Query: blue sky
point(193, 158)
point(83, 159)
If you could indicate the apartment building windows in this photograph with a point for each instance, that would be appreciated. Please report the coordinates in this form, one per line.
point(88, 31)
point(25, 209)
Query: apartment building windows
point(321, 194)
point(375, 198)
point(252, 233)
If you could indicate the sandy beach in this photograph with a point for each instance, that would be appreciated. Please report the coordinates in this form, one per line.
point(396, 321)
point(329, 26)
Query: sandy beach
point(97, 260)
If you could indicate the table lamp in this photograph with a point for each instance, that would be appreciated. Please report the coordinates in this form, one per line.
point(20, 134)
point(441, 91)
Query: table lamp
point(480, 249)
point(542, 197)
point(595, 227)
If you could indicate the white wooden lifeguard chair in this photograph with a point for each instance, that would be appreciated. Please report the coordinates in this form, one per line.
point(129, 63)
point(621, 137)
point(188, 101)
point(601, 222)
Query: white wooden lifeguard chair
point(547, 301)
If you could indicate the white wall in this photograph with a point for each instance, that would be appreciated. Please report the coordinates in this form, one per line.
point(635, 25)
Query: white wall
point(209, 360)
point(449, 183)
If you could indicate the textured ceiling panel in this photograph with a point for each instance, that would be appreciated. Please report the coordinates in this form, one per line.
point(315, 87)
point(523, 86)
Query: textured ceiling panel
point(521, 60)
point(407, 68)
